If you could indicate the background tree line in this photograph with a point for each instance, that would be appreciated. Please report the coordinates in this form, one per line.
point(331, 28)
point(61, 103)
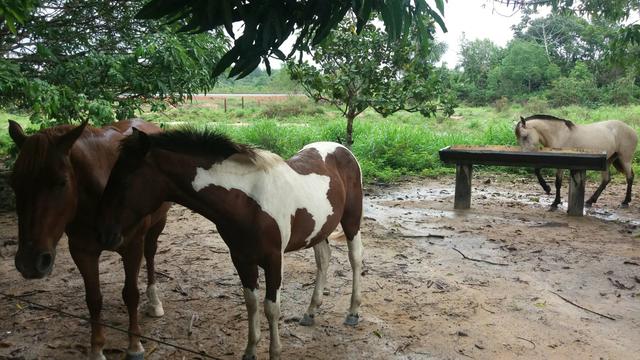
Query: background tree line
point(562, 58)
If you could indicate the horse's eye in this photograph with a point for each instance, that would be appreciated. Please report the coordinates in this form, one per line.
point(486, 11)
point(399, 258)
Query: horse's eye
point(60, 183)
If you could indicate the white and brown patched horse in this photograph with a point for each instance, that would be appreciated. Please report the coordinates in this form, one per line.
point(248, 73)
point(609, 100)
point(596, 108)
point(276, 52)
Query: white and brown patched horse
point(262, 205)
point(618, 139)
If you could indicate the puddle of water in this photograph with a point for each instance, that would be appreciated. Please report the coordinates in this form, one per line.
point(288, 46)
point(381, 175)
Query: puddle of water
point(380, 205)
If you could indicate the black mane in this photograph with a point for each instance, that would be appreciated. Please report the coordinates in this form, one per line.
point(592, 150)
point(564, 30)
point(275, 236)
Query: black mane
point(192, 141)
point(569, 123)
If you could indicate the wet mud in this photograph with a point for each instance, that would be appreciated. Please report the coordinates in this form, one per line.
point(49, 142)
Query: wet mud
point(505, 279)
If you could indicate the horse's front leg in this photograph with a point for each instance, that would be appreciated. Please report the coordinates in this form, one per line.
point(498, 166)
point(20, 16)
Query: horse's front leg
point(132, 257)
point(543, 183)
point(88, 265)
point(322, 252)
point(154, 305)
point(273, 277)
point(249, 277)
point(558, 200)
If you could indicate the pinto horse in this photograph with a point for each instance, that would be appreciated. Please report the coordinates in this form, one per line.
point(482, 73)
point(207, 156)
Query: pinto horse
point(261, 204)
point(58, 179)
point(618, 139)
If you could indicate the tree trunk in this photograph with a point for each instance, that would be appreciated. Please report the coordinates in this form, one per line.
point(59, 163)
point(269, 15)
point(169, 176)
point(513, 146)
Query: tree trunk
point(349, 140)
point(546, 42)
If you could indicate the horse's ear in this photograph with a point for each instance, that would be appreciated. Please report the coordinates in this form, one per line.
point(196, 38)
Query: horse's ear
point(66, 141)
point(17, 134)
point(141, 139)
point(523, 121)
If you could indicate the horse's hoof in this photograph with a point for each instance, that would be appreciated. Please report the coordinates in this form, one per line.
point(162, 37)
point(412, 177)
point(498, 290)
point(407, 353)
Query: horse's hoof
point(97, 356)
point(135, 355)
point(248, 357)
point(307, 320)
point(553, 208)
point(588, 204)
point(547, 190)
point(352, 319)
point(155, 310)
point(624, 205)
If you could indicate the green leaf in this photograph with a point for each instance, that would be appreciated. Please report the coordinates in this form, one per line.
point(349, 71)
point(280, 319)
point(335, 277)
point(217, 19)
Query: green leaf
point(440, 6)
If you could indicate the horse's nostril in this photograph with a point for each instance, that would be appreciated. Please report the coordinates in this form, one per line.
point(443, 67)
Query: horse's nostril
point(44, 262)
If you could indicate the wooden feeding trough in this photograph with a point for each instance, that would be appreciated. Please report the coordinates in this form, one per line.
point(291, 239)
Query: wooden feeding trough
point(578, 161)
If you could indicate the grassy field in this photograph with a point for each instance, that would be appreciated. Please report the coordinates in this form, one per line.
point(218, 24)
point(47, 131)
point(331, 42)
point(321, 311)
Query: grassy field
point(391, 148)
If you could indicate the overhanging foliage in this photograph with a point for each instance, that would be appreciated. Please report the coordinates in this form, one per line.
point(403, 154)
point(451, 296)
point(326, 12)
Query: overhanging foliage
point(268, 23)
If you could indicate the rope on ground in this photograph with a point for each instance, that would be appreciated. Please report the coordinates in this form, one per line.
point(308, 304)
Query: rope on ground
point(64, 313)
point(581, 307)
point(478, 260)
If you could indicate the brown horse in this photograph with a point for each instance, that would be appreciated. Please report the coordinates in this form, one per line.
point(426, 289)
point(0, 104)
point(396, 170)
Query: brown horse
point(262, 206)
point(618, 139)
point(58, 179)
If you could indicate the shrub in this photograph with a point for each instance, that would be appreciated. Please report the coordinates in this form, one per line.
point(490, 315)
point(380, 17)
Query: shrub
point(501, 104)
point(623, 91)
point(536, 105)
point(292, 107)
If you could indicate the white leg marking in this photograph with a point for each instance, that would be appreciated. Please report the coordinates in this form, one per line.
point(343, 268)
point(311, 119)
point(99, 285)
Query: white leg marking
point(322, 252)
point(272, 311)
point(154, 306)
point(251, 301)
point(355, 258)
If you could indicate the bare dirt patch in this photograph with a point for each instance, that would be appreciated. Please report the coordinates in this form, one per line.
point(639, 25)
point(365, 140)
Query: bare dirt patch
point(422, 299)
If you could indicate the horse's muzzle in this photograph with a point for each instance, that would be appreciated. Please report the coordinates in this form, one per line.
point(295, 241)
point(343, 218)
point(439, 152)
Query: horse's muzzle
point(36, 266)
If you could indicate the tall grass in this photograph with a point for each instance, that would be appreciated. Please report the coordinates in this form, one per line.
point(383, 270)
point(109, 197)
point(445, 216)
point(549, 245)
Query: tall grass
point(400, 145)
point(387, 150)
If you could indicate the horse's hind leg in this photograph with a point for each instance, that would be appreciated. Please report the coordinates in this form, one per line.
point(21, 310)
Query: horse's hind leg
point(558, 199)
point(606, 178)
point(132, 257)
point(627, 197)
point(322, 252)
point(627, 169)
point(355, 258)
point(154, 305)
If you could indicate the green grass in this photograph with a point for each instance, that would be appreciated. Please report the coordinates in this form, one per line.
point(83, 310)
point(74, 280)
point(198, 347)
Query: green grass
point(401, 145)
point(6, 144)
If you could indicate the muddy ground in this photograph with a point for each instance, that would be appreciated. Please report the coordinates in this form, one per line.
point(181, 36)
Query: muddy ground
point(422, 299)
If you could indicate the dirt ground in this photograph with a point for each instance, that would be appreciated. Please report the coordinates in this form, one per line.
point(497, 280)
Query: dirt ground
point(421, 298)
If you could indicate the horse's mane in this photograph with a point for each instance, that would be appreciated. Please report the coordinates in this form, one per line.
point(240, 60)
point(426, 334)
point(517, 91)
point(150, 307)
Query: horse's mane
point(568, 123)
point(193, 141)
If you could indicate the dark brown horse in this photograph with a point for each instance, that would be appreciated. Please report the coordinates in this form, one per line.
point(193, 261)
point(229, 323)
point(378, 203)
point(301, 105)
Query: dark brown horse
point(58, 179)
point(262, 206)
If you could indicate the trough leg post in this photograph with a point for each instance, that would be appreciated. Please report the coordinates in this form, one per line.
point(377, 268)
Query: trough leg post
point(462, 198)
point(576, 192)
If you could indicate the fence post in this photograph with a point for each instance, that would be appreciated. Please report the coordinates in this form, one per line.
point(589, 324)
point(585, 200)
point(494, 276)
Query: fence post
point(225, 104)
point(242, 102)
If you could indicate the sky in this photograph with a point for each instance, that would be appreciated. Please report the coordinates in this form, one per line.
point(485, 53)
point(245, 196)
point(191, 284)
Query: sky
point(476, 19)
